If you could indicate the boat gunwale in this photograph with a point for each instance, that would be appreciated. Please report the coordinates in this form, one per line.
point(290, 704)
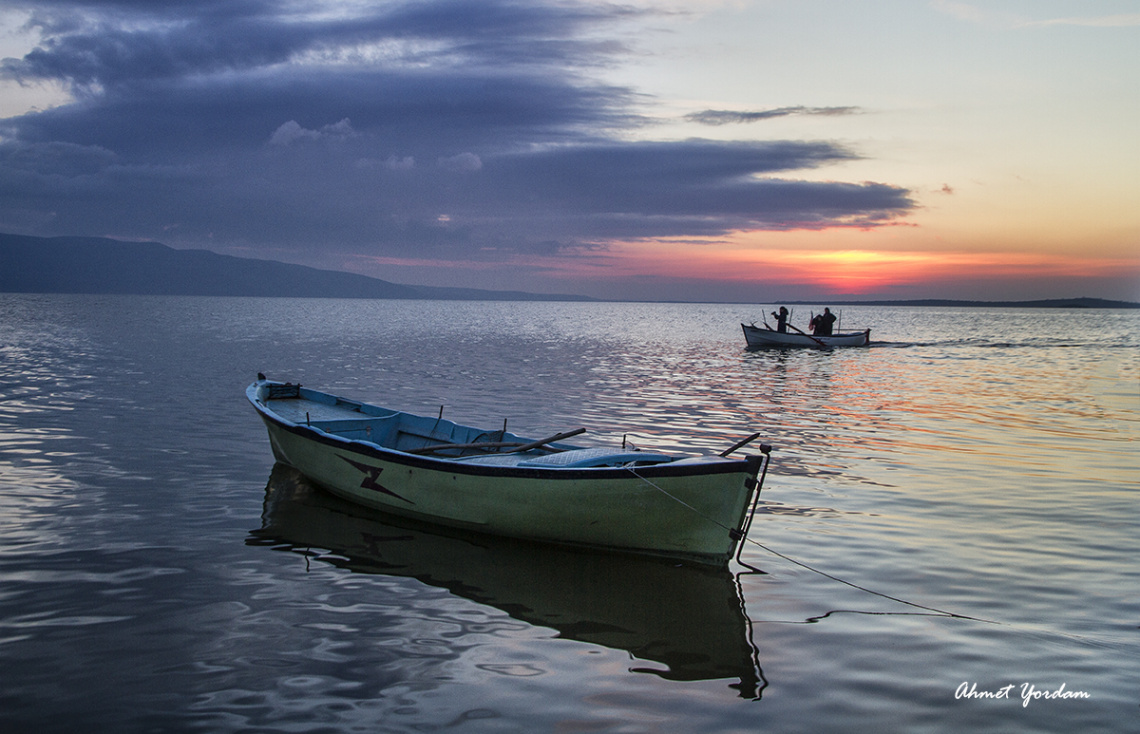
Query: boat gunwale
point(721, 465)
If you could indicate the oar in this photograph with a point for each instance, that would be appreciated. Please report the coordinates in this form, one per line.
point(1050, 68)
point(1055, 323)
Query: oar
point(741, 444)
point(809, 336)
point(515, 447)
point(480, 445)
point(552, 439)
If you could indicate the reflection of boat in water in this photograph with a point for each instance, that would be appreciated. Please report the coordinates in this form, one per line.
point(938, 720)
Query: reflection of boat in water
point(687, 617)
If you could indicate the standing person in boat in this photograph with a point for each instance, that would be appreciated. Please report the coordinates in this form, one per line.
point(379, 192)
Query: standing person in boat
point(781, 320)
point(822, 325)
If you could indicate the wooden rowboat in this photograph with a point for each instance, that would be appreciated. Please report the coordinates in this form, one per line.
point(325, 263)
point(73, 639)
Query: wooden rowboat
point(428, 468)
point(758, 337)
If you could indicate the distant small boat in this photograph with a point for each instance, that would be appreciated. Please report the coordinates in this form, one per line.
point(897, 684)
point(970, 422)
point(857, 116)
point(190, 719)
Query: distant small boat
point(428, 468)
point(758, 337)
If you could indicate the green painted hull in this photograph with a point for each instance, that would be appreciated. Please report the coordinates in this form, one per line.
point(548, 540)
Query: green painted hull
point(691, 508)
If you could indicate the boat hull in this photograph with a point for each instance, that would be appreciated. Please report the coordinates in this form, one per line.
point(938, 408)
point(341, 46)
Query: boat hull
point(692, 508)
point(767, 338)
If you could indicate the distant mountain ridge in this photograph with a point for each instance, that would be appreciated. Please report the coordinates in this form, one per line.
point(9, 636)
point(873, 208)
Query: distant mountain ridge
point(108, 266)
point(103, 265)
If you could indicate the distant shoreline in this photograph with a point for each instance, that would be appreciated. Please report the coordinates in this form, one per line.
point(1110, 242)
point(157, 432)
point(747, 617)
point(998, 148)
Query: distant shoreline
point(1043, 303)
point(1060, 303)
point(99, 265)
point(930, 302)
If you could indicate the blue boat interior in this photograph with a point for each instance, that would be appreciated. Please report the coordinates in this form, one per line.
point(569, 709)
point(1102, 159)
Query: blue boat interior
point(437, 437)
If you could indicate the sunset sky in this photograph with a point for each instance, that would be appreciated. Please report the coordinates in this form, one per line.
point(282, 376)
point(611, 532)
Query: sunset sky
point(711, 150)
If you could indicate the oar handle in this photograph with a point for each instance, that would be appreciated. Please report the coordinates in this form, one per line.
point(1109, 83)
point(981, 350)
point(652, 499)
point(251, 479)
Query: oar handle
point(809, 336)
point(742, 443)
point(552, 439)
point(515, 447)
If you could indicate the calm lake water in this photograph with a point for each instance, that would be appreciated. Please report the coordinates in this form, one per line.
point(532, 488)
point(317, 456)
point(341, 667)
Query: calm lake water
point(950, 523)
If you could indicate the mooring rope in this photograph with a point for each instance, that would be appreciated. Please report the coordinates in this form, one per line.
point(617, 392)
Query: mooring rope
point(805, 566)
point(934, 611)
point(826, 575)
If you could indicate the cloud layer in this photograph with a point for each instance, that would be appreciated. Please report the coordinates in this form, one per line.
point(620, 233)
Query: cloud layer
point(459, 129)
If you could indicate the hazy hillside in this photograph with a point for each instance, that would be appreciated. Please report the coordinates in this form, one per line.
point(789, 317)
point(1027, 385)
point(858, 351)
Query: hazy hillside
point(101, 265)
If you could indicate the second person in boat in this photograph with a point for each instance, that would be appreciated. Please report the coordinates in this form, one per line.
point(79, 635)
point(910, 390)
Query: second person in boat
point(822, 325)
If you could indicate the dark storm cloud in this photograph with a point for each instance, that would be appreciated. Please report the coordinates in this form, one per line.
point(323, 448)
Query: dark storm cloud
point(735, 117)
point(452, 127)
point(693, 186)
point(417, 111)
point(95, 44)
